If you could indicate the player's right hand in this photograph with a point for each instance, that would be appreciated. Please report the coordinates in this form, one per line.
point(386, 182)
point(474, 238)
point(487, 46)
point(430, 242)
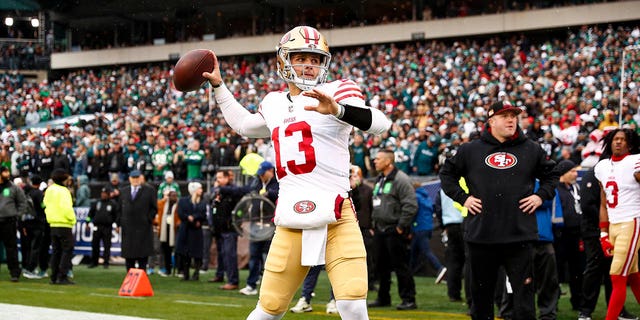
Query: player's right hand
point(214, 77)
point(607, 246)
point(473, 204)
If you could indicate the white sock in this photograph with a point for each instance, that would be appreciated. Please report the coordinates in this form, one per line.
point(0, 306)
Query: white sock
point(353, 309)
point(259, 314)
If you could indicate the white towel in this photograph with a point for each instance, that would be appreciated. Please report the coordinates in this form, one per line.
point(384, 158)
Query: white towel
point(314, 246)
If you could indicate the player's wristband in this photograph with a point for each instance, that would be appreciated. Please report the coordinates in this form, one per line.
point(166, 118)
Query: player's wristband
point(604, 224)
point(340, 113)
point(215, 86)
point(360, 118)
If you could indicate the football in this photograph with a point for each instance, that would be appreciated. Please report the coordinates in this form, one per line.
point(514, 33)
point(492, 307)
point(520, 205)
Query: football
point(187, 74)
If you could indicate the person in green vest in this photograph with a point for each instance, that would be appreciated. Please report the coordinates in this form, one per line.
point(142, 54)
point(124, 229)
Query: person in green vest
point(161, 159)
point(193, 159)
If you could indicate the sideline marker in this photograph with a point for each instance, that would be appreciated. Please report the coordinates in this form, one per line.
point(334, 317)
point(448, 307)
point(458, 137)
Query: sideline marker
point(136, 284)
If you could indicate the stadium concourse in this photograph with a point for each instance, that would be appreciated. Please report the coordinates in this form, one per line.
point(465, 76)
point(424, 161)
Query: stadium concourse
point(20, 312)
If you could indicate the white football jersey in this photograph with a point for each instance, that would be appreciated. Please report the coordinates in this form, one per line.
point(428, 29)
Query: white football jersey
point(620, 187)
point(311, 149)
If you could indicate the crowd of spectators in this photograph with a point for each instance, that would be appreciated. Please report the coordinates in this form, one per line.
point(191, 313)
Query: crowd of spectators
point(436, 92)
point(178, 29)
point(29, 55)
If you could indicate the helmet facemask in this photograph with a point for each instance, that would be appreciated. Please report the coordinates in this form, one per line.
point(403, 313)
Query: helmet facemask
point(303, 40)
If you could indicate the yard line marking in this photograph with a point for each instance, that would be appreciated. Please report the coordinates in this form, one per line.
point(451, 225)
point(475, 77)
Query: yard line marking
point(113, 296)
point(41, 290)
point(210, 303)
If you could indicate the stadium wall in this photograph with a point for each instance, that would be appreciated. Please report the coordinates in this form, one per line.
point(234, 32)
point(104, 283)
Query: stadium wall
point(433, 29)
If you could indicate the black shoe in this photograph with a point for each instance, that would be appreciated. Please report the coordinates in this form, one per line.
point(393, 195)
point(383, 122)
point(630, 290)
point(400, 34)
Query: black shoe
point(106, 266)
point(455, 299)
point(405, 305)
point(14, 279)
point(625, 315)
point(91, 266)
point(65, 282)
point(584, 316)
point(377, 303)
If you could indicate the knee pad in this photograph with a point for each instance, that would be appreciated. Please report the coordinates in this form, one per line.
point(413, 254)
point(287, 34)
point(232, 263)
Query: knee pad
point(349, 279)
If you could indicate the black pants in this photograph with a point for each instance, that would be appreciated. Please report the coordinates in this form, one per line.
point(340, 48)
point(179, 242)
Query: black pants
point(546, 281)
point(62, 251)
point(517, 260)
point(570, 261)
point(44, 257)
point(391, 248)
point(31, 246)
point(454, 255)
point(8, 230)
point(103, 233)
point(130, 263)
point(546, 277)
point(596, 272)
point(167, 251)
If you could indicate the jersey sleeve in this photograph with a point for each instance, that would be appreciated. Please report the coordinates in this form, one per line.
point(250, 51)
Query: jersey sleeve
point(349, 94)
point(240, 119)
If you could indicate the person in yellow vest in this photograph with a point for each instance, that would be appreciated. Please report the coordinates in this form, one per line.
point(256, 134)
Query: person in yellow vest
point(61, 217)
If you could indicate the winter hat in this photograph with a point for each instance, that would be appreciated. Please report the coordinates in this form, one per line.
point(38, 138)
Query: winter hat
point(565, 166)
point(193, 186)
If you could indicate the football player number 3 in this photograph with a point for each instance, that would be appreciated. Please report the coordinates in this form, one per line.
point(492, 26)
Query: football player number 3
point(304, 147)
point(612, 194)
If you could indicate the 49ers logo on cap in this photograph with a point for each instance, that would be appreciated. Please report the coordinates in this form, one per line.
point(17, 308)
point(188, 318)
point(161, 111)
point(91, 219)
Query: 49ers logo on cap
point(304, 206)
point(501, 160)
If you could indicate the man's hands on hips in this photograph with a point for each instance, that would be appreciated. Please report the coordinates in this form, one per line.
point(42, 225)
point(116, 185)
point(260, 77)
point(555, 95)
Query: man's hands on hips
point(530, 203)
point(473, 204)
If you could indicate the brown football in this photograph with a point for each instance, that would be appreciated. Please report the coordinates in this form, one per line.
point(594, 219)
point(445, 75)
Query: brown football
point(187, 74)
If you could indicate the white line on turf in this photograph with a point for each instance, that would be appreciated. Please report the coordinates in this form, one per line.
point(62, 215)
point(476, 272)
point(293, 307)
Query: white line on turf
point(15, 311)
point(41, 290)
point(209, 303)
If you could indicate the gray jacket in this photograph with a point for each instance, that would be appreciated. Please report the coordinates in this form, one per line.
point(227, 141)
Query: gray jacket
point(397, 206)
point(13, 202)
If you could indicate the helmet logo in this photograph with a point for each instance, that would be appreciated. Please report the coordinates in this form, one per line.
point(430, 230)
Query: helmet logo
point(286, 38)
point(311, 36)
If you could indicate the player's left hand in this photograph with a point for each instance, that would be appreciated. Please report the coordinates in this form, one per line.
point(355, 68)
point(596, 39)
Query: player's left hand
point(530, 203)
point(326, 103)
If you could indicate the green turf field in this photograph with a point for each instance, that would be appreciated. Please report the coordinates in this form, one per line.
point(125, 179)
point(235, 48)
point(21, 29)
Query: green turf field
point(96, 290)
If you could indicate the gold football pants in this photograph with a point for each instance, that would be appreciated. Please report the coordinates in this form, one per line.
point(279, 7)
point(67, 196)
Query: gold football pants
point(346, 263)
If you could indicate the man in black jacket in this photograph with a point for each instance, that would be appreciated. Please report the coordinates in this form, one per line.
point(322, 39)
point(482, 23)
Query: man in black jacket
point(12, 206)
point(394, 208)
point(500, 169)
point(102, 214)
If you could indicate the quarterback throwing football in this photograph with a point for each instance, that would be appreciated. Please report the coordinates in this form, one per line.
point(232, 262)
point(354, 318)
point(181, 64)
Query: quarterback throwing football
point(309, 127)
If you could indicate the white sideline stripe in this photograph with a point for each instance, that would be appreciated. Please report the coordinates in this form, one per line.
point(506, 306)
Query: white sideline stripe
point(41, 290)
point(209, 303)
point(20, 312)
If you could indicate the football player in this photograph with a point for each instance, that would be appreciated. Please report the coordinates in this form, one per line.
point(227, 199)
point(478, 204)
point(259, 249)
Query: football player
point(309, 126)
point(619, 175)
